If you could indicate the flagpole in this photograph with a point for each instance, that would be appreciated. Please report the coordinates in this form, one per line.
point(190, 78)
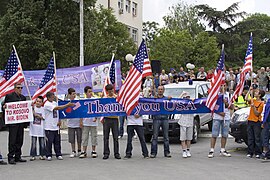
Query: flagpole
point(251, 78)
point(222, 51)
point(56, 89)
point(25, 82)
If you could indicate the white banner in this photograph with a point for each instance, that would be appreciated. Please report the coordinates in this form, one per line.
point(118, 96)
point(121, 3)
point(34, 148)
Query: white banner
point(18, 112)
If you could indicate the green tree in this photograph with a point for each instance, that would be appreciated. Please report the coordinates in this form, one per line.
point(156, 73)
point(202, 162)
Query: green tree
point(215, 18)
point(150, 31)
point(177, 48)
point(183, 17)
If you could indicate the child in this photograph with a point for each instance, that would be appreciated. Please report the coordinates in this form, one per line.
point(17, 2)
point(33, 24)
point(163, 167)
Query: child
point(89, 125)
point(186, 129)
point(37, 130)
point(110, 123)
point(52, 125)
point(74, 128)
point(254, 122)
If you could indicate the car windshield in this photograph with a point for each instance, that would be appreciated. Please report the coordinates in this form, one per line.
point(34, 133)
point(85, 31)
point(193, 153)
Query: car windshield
point(176, 92)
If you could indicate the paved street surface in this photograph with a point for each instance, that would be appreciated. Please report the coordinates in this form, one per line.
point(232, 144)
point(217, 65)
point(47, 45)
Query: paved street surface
point(199, 166)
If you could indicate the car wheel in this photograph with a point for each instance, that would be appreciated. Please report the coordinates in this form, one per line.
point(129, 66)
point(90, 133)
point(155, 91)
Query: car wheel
point(148, 137)
point(210, 125)
point(196, 128)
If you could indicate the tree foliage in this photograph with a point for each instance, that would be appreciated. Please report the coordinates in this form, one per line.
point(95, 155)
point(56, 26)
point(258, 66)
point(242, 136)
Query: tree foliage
point(183, 17)
point(39, 27)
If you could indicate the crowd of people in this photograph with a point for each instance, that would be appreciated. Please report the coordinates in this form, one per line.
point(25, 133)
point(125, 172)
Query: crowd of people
point(259, 79)
point(46, 124)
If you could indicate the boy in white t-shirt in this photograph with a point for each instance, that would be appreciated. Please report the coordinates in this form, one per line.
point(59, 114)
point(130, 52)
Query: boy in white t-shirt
point(51, 126)
point(74, 129)
point(37, 130)
point(135, 123)
point(186, 129)
point(89, 125)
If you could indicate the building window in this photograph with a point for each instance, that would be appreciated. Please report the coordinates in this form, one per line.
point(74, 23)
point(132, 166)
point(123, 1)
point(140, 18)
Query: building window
point(135, 35)
point(134, 9)
point(120, 4)
point(128, 2)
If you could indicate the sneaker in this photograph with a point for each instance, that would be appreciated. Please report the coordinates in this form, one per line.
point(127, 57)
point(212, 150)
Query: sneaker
point(152, 156)
point(73, 154)
point(211, 154)
point(83, 155)
point(60, 158)
point(41, 157)
point(146, 157)
point(127, 157)
point(184, 154)
point(49, 158)
point(117, 157)
point(225, 153)
point(168, 155)
point(263, 156)
point(94, 154)
point(32, 158)
point(105, 157)
point(257, 156)
point(249, 155)
point(120, 137)
point(188, 154)
point(3, 162)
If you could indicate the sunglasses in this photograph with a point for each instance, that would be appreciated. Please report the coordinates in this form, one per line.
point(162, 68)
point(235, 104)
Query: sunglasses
point(19, 87)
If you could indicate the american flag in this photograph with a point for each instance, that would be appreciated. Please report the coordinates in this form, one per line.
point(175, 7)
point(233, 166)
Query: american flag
point(48, 82)
point(129, 93)
point(217, 80)
point(247, 68)
point(110, 78)
point(12, 74)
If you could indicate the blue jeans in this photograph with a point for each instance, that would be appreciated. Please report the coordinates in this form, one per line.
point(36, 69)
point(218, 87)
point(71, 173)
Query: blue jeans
point(140, 133)
point(33, 151)
point(254, 138)
point(220, 126)
point(121, 122)
point(164, 124)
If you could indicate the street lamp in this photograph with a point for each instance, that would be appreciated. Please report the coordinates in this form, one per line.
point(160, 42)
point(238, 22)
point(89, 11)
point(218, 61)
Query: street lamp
point(129, 58)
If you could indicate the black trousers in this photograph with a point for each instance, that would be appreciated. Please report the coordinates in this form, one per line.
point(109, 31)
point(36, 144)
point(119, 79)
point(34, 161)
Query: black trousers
point(15, 140)
point(53, 138)
point(110, 123)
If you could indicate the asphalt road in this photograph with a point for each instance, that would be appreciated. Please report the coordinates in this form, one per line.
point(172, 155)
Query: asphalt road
point(199, 166)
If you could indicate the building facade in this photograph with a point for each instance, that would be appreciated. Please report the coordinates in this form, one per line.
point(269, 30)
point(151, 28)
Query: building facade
point(128, 12)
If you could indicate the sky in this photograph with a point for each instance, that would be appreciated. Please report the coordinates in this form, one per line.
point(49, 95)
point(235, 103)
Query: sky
point(154, 10)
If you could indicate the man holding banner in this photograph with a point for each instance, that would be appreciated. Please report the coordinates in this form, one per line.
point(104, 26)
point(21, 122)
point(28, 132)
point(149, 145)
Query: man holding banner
point(16, 131)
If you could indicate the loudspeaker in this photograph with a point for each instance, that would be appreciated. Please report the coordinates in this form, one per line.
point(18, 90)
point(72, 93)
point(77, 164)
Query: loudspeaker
point(156, 66)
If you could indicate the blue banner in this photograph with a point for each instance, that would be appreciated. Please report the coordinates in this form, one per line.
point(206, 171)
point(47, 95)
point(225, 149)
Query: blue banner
point(76, 77)
point(147, 106)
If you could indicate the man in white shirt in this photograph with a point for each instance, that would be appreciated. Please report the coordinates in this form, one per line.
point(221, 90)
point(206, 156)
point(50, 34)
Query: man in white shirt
point(221, 123)
point(74, 129)
point(51, 126)
point(135, 123)
point(89, 125)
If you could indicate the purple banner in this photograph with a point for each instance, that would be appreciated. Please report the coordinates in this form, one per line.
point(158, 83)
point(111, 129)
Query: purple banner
point(76, 77)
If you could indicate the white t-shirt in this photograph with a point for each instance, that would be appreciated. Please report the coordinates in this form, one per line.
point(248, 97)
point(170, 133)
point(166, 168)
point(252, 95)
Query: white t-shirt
point(226, 110)
point(90, 121)
point(73, 123)
point(37, 126)
point(186, 120)
point(131, 120)
point(51, 116)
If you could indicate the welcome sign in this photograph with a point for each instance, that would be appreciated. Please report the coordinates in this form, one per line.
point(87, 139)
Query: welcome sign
point(18, 112)
point(147, 106)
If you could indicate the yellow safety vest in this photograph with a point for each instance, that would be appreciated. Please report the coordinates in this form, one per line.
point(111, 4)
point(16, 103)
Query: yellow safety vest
point(241, 103)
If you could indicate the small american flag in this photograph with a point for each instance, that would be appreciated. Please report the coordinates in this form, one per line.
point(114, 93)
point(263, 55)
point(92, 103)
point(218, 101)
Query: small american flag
point(216, 81)
point(110, 78)
point(12, 74)
point(48, 82)
point(129, 93)
point(247, 68)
